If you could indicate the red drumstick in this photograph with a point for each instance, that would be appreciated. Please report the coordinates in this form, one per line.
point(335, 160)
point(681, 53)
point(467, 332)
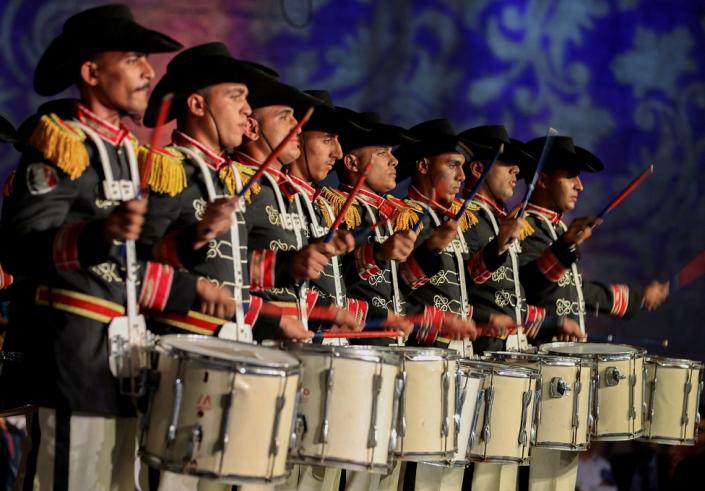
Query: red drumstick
point(356, 334)
point(627, 191)
point(275, 153)
point(348, 203)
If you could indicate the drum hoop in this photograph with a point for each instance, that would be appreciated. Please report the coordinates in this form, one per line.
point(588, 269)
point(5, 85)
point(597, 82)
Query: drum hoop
point(425, 354)
point(631, 352)
point(666, 362)
point(178, 351)
point(498, 368)
point(361, 353)
point(540, 358)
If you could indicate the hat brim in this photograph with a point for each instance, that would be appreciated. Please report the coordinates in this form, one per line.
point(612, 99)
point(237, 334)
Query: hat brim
point(271, 92)
point(409, 154)
point(379, 135)
point(8, 134)
point(209, 71)
point(331, 119)
point(58, 66)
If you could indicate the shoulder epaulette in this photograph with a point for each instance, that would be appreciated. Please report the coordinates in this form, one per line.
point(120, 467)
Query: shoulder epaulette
point(468, 220)
point(526, 231)
point(336, 200)
point(321, 202)
point(227, 175)
point(166, 174)
point(407, 215)
point(61, 144)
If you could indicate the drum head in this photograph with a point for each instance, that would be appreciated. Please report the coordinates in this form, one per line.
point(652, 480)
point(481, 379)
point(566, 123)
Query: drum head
point(227, 351)
point(355, 352)
point(674, 362)
point(590, 349)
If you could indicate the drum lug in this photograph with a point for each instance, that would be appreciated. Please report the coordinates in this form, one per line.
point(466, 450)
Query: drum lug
point(402, 404)
point(475, 418)
point(686, 394)
point(632, 396)
point(194, 443)
point(445, 381)
point(298, 426)
point(537, 413)
point(594, 404)
point(323, 431)
point(612, 376)
point(376, 389)
point(459, 402)
point(558, 387)
point(226, 403)
point(398, 391)
point(697, 412)
point(486, 430)
point(175, 410)
point(274, 443)
point(576, 403)
point(525, 401)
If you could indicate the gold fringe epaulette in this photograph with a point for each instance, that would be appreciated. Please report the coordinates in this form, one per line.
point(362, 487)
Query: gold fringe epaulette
point(526, 231)
point(61, 144)
point(166, 173)
point(321, 203)
point(336, 200)
point(468, 220)
point(246, 172)
point(407, 215)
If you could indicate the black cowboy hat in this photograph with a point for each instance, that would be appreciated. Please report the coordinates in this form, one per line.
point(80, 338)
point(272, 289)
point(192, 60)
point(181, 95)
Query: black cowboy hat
point(270, 91)
point(565, 154)
point(371, 131)
point(196, 68)
point(328, 117)
point(106, 28)
point(484, 141)
point(433, 137)
point(8, 134)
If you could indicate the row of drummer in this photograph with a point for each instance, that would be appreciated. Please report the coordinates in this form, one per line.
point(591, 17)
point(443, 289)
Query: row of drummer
point(224, 231)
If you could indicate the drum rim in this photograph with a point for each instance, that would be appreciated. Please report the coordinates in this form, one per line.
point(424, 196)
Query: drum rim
point(509, 370)
point(667, 362)
point(342, 463)
point(163, 343)
point(633, 350)
point(371, 354)
point(549, 358)
point(424, 353)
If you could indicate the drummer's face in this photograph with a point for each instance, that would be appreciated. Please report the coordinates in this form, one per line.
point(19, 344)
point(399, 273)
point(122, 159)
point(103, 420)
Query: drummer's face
point(321, 151)
point(563, 187)
point(119, 80)
point(382, 176)
point(502, 179)
point(445, 176)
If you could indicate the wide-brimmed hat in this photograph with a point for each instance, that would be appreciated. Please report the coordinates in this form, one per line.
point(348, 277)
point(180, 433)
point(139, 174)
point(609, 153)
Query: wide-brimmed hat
point(484, 141)
point(565, 154)
point(270, 91)
point(197, 68)
point(328, 117)
point(106, 28)
point(371, 131)
point(433, 137)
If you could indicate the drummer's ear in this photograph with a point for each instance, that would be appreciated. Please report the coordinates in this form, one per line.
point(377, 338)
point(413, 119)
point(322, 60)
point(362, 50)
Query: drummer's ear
point(351, 163)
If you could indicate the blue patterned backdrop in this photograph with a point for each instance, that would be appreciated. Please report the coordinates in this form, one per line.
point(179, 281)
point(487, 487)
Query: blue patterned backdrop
point(625, 78)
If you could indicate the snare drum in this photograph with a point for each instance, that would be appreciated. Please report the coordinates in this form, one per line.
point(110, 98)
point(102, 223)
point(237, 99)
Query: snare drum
point(673, 389)
point(502, 425)
point(346, 412)
point(221, 409)
point(426, 423)
point(564, 398)
point(618, 379)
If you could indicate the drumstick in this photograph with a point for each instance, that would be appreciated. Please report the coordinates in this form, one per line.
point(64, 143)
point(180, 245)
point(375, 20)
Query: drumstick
point(627, 191)
point(356, 334)
point(610, 338)
point(275, 153)
point(154, 140)
point(348, 203)
point(479, 182)
point(690, 272)
point(542, 161)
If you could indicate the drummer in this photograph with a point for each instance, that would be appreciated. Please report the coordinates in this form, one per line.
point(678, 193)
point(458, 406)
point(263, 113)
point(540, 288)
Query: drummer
point(320, 151)
point(184, 226)
point(277, 244)
point(59, 229)
point(568, 296)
